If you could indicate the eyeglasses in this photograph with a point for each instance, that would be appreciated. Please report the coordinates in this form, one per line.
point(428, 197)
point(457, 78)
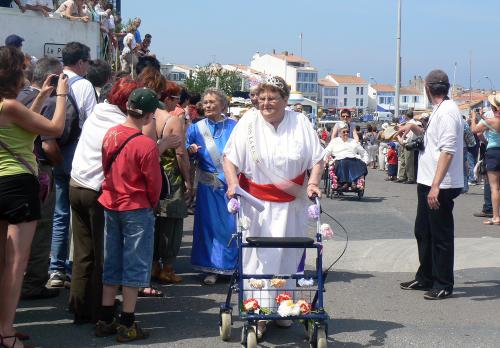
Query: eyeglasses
point(270, 100)
point(174, 97)
point(345, 132)
point(345, 116)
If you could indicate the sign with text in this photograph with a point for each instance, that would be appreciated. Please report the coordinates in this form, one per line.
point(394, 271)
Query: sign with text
point(53, 50)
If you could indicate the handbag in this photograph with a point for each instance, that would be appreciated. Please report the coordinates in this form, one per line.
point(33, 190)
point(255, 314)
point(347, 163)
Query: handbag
point(42, 177)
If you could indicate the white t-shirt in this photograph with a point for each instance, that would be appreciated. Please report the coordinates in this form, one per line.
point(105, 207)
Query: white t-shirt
point(84, 94)
point(127, 38)
point(86, 169)
point(45, 3)
point(445, 132)
point(346, 149)
point(411, 136)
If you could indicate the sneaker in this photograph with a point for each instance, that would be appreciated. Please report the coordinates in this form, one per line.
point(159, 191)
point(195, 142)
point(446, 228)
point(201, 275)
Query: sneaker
point(283, 323)
point(413, 285)
point(437, 294)
point(103, 329)
point(127, 334)
point(56, 280)
point(210, 279)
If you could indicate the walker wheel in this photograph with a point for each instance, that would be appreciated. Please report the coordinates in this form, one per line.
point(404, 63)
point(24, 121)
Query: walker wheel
point(321, 338)
point(225, 326)
point(361, 193)
point(250, 341)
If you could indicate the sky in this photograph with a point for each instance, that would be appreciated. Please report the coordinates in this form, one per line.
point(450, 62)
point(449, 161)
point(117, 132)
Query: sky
point(339, 36)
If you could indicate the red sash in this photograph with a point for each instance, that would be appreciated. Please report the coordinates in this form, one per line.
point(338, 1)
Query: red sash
point(269, 192)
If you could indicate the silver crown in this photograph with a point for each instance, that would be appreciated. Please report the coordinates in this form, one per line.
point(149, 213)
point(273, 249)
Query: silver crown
point(273, 81)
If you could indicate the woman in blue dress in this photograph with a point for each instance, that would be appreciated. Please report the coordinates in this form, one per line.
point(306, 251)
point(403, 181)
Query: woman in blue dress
point(213, 225)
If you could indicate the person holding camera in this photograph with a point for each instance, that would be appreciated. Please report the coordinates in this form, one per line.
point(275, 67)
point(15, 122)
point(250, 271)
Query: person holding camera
point(439, 182)
point(406, 172)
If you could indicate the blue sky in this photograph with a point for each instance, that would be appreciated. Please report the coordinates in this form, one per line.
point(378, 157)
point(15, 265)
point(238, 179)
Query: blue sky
point(340, 36)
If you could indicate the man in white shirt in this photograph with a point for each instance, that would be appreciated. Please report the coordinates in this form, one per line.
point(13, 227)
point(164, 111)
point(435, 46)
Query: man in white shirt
point(440, 181)
point(76, 61)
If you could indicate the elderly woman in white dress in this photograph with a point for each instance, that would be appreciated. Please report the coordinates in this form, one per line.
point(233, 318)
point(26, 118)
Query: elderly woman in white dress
point(350, 158)
point(272, 150)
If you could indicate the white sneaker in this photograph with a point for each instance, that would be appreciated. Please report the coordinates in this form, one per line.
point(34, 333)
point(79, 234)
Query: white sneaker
point(56, 280)
point(210, 279)
point(261, 329)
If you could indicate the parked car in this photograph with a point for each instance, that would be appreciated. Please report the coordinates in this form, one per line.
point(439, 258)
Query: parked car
point(383, 116)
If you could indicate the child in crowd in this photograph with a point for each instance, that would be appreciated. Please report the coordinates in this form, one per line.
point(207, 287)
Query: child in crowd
point(392, 161)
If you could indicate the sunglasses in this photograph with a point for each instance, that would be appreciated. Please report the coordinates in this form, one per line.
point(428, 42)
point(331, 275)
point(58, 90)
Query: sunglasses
point(345, 132)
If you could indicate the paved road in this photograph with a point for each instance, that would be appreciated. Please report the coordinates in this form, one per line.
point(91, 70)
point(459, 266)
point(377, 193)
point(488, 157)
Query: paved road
point(363, 297)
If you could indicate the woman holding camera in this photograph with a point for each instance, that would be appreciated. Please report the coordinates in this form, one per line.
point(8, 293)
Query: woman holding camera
point(19, 185)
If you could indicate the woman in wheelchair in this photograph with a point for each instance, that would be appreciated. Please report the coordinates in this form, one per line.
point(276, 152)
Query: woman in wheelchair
point(350, 160)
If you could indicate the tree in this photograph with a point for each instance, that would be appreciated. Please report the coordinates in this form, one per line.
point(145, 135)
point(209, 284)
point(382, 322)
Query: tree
point(205, 77)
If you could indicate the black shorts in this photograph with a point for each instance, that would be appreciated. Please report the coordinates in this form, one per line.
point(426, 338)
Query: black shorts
point(19, 201)
point(492, 159)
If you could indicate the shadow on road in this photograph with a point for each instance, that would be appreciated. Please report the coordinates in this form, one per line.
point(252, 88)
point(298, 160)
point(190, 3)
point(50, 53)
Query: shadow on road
point(483, 290)
point(378, 336)
point(365, 199)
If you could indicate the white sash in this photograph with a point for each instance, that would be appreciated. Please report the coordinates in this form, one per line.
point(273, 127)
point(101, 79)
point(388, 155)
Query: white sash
point(214, 153)
point(284, 184)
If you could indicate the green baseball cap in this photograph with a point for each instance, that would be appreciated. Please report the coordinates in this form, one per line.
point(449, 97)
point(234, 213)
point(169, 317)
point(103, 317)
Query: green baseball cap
point(143, 100)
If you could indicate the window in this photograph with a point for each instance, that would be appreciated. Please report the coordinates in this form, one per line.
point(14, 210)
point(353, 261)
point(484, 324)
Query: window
point(357, 102)
point(361, 101)
point(357, 90)
point(345, 90)
point(345, 101)
point(381, 100)
point(405, 99)
point(415, 99)
point(362, 90)
point(335, 91)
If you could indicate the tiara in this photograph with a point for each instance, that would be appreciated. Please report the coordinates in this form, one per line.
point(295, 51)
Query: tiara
point(273, 81)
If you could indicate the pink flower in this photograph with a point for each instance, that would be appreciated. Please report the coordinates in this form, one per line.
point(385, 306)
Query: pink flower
point(313, 212)
point(326, 231)
point(285, 296)
point(233, 206)
point(251, 305)
point(305, 308)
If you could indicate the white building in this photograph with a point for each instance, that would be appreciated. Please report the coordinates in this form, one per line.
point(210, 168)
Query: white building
point(412, 98)
point(381, 97)
point(250, 76)
point(349, 91)
point(177, 72)
point(329, 93)
point(296, 71)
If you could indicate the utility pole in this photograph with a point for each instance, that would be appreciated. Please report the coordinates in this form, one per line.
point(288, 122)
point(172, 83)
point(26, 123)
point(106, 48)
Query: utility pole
point(454, 80)
point(398, 62)
point(470, 77)
point(301, 36)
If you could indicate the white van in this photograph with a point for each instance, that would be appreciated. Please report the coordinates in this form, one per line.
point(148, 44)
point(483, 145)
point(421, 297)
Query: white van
point(383, 116)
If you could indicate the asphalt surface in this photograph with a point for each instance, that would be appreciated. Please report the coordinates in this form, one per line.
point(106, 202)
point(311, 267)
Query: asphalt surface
point(363, 298)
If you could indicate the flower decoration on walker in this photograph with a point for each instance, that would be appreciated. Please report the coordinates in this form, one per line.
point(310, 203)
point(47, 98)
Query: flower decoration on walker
point(284, 296)
point(305, 283)
point(360, 183)
point(251, 305)
point(314, 212)
point(326, 231)
point(278, 283)
point(256, 283)
point(233, 206)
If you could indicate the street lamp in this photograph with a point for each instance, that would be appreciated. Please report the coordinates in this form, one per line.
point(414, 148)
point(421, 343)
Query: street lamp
point(489, 80)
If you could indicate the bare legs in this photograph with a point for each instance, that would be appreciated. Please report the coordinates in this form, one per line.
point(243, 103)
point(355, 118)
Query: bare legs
point(494, 179)
point(15, 244)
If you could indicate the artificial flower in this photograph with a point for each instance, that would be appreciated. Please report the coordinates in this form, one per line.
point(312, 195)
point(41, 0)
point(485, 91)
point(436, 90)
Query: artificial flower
point(326, 231)
point(278, 283)
point(233, 206)
point(256, 283)
point(251, 305)
point(288, 308)
point(305, 283)
point(245, 223)
point(305, 308)
point(284, 296)
point(313, 212)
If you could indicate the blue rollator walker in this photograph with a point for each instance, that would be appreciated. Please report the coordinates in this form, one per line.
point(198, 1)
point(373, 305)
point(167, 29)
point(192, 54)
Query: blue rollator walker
point(315, 321)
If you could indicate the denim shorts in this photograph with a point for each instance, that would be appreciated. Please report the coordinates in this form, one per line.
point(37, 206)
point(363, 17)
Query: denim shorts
point(128, 247)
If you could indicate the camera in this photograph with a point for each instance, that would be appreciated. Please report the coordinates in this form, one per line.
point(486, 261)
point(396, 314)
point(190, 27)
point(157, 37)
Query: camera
point(54, 80)
point(415, 144)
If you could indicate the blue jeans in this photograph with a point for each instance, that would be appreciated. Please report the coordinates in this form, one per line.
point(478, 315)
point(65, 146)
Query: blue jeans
point(487, 206)
point(61, 218)
point(128, 247)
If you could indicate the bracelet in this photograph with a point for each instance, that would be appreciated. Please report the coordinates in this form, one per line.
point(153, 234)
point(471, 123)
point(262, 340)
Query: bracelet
point(62, 95)
point(312, 184)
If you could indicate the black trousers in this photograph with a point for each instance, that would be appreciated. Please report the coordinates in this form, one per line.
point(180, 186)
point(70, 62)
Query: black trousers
point(85, 295)
point(434, 231)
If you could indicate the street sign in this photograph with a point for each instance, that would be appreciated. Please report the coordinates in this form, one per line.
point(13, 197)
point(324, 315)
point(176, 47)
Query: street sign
point(53, 50)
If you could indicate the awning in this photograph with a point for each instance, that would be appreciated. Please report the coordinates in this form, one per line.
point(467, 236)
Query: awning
point(379, 108)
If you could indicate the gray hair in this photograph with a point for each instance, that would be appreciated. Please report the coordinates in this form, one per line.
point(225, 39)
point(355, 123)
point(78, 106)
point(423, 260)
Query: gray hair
point(220, 94)
point(44, 67)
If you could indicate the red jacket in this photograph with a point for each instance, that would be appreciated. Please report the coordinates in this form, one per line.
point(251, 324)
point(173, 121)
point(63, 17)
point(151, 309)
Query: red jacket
point(392, 156)
point(134, 179)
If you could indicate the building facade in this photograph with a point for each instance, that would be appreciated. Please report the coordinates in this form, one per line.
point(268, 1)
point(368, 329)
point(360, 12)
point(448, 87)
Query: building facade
point(345, 91)
point(295, 70)
point(381, 97)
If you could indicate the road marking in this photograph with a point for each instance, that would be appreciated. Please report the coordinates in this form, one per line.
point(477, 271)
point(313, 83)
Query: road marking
point(401, 255)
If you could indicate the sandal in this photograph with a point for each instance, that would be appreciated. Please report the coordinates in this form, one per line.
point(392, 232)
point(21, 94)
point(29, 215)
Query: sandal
point(150, 292)
point(21, 336)
point(491, 222)
point(4, 345)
